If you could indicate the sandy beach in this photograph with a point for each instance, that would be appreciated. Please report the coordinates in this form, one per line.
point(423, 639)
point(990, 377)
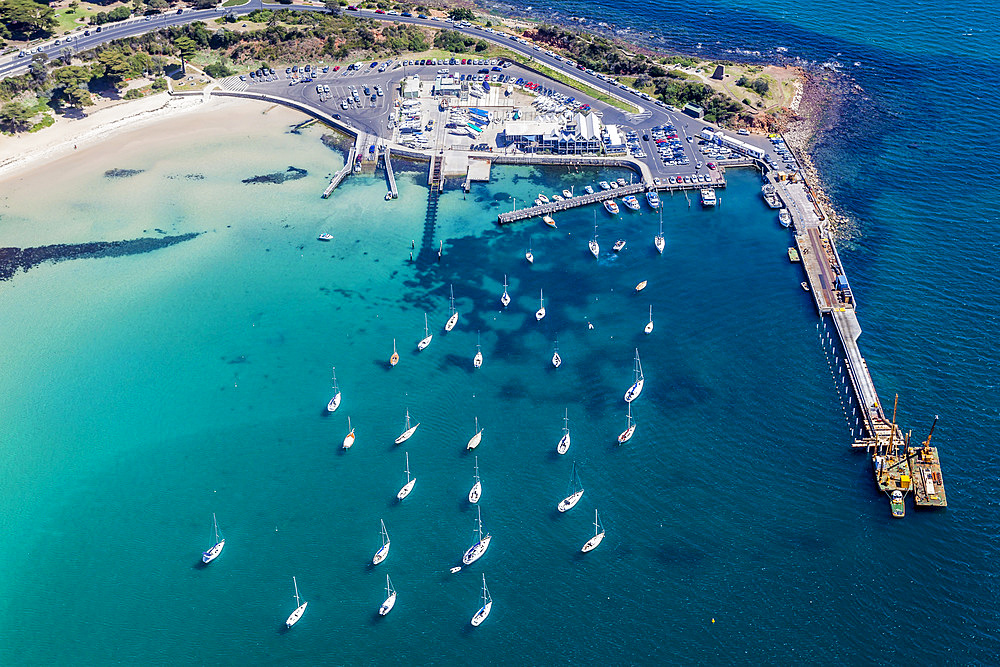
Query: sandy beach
point(158, 117)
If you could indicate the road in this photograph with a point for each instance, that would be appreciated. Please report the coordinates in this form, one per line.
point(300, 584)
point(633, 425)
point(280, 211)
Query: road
point(375, 120)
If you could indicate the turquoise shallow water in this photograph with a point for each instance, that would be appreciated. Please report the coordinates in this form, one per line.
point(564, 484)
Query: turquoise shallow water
point(140, 394)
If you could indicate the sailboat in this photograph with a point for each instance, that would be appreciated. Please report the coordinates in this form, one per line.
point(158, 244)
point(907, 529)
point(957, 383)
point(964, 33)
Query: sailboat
point(505, 299)
point(527, 255)
point(556, 359)
point(217, 545)
point(636, 388)
point(477, 438)
point(576, 492)
point(335, 401)
point(427, 336)
point(390, 600)
point(349, 438)
point(476, 551)
point(384, 550)
point(484, 611)
point(394, 359)
point(477, 360)
point(453, 320)
point(299, 609)
point(405, 491)
point(541, 302)
point(649, 327)
point(658, 240)
point(476, 492)
point(598, 535)
point(626, 435)
point(563, 445)
point(407, 430)
point(595, 249)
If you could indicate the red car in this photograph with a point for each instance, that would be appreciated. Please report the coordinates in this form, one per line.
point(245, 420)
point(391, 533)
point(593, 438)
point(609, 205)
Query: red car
point(380, 11)
point(463, 61)
point(680, 179)
point(336, 67)
point(711, 165)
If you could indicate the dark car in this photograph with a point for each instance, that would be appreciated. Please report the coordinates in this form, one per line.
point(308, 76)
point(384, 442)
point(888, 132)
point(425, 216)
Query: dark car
point(406, 14)
point(421, 16)
point(180, 11)
point(98, 29)
point(373, 64)
point(352, 8)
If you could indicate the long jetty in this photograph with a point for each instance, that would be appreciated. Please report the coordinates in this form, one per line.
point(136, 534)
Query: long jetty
point(572, 202)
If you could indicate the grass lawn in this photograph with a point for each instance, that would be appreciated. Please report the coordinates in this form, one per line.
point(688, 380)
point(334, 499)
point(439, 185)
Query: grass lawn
point(234, 3)
point(68, 20)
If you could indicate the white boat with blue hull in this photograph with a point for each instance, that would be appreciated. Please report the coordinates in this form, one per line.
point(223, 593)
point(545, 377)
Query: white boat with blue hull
point(476, 551)
point(484, 611)
point(383, 551)
point(639, 381)
point(575, 492)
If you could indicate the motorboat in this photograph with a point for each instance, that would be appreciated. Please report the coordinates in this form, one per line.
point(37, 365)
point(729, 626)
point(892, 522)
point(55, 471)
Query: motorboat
point(604, 185)
point(325, 236)
point(611, 207)
point(784, 217)
point(653, 199)
point(619, 245)
point(708, 197)
point(631, 202)
point(589, 189)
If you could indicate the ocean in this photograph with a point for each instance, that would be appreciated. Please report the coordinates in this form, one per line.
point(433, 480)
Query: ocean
point(142, 393)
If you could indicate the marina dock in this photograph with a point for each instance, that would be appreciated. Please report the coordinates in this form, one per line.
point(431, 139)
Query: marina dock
point(572, 202)
point(341, 173)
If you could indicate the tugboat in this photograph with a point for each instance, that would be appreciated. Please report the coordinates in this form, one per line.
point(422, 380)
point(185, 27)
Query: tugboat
point(889, 467)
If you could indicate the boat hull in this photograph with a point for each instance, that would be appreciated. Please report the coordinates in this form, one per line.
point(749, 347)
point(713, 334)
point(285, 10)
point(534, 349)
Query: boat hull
point(296, 615)
point(405, 435)
point(405, 491)
point(387, 606)
point(595, 249)
point(477, 361)
point(634, 391)
point(381, 554)
point(475, 440)
point(626, 435)
point(569, 502)
point(540, 313)
point(556, 360)
point(593, 542)
point(476, 492)
point(214, 552)
point(660, 243)
point(349, 440)
point(476, 551)
point(452, 321)
point(483, 612)
point(563, 445)
point(422, 345)
point(334, 403)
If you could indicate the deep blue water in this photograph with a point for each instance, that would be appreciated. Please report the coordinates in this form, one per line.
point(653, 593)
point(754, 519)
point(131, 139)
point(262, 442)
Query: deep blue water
point(741, 527)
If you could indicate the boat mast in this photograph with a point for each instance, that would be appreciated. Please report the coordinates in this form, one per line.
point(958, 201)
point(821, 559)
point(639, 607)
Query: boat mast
point(296, 584)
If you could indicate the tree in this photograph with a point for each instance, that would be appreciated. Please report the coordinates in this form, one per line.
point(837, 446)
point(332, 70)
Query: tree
point(187, 48)
point(462, 14)
point(16, 115)
point(26, 16)
point(332, 6)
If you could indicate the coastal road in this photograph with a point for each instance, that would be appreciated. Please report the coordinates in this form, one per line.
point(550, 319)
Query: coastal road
point(649, 113)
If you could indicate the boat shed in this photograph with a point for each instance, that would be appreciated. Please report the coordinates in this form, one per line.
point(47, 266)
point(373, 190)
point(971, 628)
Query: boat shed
point(694, 111)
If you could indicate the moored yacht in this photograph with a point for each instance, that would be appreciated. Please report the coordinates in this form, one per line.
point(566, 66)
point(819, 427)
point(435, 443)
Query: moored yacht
point(476, 551)
point(708, 197)
point(589, 189)
point(300, 609)
point(564, 441)
point(598, 535)
point(575, 492)
point(604, 185)
point(217, 545)
point(428, 336)
point(542, 198)
point(453, 319)
point(595, 249)
point(390, 600)
point(477, 438)
point(653, 199)
point(784, 217)
point(383, 551)
point(484, 611)
point(335, 401)
point(540, 313)
point(638, 379)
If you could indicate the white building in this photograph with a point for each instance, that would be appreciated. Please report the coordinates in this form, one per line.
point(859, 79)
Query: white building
point(411, 87)
point(722, 139)
point(579, 133)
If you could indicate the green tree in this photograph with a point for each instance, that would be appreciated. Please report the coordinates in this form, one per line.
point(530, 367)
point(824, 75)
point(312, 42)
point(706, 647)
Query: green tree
point(26, 17)
point(462, 14)
point(187, 49)
point(332, 6)
point(16, 115)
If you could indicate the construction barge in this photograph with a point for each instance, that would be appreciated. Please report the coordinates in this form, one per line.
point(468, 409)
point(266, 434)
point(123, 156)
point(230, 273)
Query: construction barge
point(899, 468)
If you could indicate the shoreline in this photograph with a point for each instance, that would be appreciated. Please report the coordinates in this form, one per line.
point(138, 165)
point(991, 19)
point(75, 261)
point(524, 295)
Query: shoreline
point(25, 152)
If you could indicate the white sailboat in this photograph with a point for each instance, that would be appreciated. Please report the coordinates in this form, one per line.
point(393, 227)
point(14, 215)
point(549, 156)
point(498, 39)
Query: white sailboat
point(299, 609)
point(598, 535)
point(394, 359)
point(453, 320)
point(405, 491)
point(541, 302)
point(576, 492)
point(595, 249)
point(626, 435)
point(556, 359)
point(658, 240)
point(563, 445)
point(477, 438)
point(505, 299)
point(476, 551)
point(384, 550)
point(427, 336)
point(477, 360)
point(484, 611)
point(217, 545)
point(335, 401)
point(638, 382)
point(390, 600)
point(476, 492)
point(649, 327)
point(349, 438)
point(407, 430)
point(527, 255)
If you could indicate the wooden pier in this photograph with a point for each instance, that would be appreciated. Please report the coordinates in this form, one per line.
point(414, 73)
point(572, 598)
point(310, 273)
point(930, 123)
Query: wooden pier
point(572, 202)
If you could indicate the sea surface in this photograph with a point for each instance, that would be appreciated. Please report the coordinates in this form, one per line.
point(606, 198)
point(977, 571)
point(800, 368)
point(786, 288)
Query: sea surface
point(142, 393)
